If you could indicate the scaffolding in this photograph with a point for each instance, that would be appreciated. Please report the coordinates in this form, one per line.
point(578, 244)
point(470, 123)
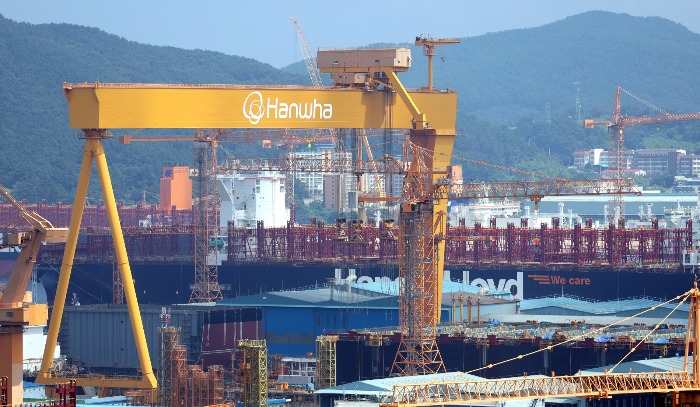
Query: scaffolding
point(117, 284)
point(254, 370)
point(95, 217)
point(169, 339)
point(206, 280)
point(143, 397)
point(326, 361)
point(581, 246)
point(189, 385)
point(276, 366)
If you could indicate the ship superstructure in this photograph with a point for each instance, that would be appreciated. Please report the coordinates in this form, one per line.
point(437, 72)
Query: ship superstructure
point(249, 197)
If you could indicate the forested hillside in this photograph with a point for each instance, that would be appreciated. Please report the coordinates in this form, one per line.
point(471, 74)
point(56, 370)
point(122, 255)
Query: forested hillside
point(504, 81)
point(41, 156)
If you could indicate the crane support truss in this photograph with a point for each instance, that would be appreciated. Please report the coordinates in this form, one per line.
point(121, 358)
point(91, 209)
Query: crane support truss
point(206, 282)
point(593, 386)
point(539, 189)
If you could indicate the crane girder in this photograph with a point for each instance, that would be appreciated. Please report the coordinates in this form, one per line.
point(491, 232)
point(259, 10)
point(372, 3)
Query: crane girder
point(620, 121)
point(331, 165)
point(629, 121)
point(141, 106)
point(591, 386)
point(536, 190)
point(664, 118)
point(427, 41)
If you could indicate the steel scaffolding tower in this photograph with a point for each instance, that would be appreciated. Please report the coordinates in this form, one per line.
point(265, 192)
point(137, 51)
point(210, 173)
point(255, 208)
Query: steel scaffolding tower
point(254, 371)
point(326, 361)
point(418, 353)
point(190, 385)
point(117, 285)
point(169, 338)
point(206, 279)
point(178, 366)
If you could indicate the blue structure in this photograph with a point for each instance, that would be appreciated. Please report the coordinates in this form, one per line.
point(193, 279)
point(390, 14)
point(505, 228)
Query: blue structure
point(291, 320)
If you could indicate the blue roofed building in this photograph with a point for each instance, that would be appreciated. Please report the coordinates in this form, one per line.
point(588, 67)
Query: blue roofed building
point(291, 320)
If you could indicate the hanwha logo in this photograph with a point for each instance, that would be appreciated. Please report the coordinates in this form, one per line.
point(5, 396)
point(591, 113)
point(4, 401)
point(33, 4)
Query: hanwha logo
point(253, 108)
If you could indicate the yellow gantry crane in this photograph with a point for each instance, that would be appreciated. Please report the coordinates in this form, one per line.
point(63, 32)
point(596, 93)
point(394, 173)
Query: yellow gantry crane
point(16, 311)
point(369, 102)
point(96, 107)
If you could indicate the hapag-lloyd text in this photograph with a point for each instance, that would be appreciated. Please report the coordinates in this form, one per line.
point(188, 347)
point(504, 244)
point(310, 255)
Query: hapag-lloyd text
point(512, 285)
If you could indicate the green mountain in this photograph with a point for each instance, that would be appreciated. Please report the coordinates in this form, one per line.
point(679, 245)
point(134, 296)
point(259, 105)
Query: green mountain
point(518, 97)
point(504, 80)
point(41, 155)
point(505, 76)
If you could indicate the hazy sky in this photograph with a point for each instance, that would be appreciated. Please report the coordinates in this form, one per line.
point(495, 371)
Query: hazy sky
point(261, 29)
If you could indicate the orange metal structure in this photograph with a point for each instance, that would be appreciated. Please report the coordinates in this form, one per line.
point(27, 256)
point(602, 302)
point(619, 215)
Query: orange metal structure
point(190, 385)
point(176, 188)
point(684, 385)
point(17, 309)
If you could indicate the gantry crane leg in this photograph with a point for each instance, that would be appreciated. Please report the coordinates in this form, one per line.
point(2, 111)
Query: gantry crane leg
point(94, 152)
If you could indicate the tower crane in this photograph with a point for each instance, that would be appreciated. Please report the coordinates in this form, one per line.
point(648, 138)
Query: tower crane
point(429, 45)
point(315, 75)
point(616, 139)
point(15, 309)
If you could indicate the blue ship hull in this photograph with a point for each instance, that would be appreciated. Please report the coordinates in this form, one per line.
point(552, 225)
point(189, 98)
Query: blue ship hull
point(168, 283)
